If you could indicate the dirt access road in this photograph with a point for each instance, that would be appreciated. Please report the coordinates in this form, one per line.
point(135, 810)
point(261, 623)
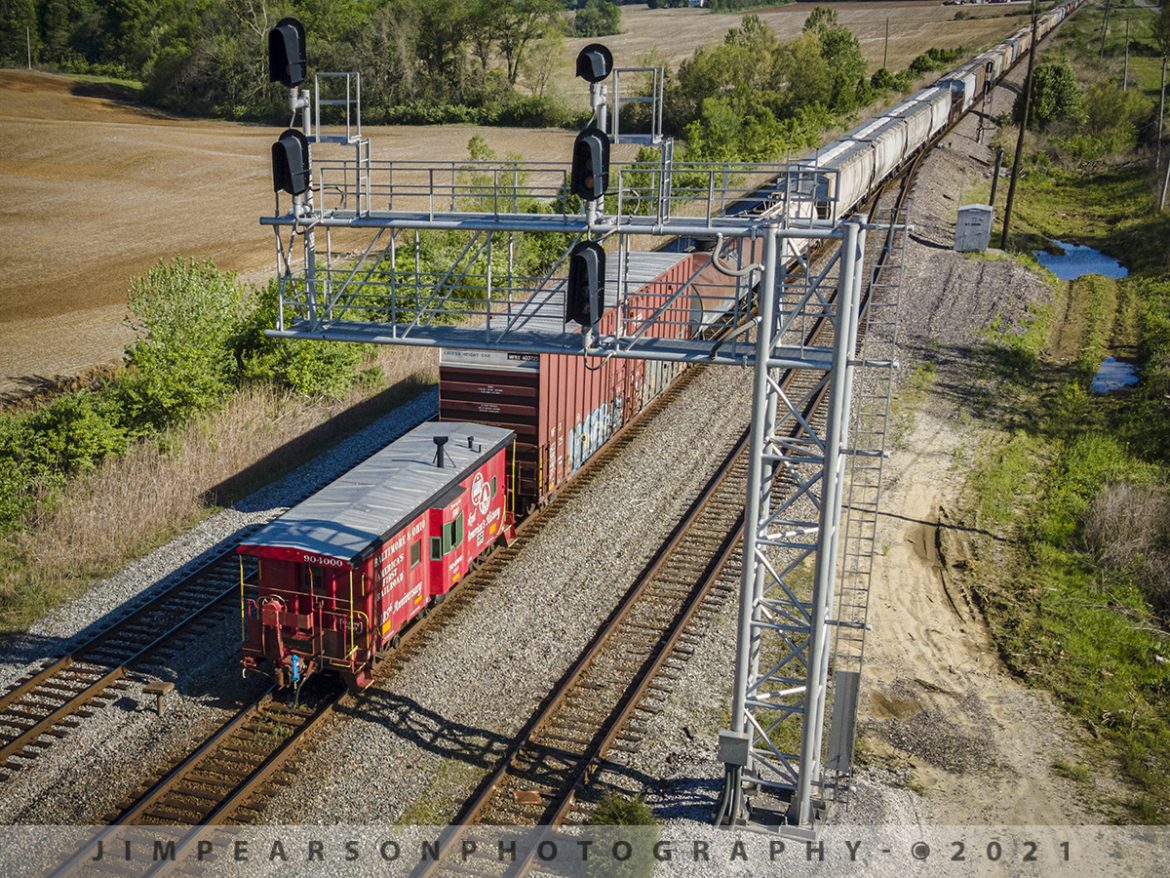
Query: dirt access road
point(94, 192)
point(940, 715)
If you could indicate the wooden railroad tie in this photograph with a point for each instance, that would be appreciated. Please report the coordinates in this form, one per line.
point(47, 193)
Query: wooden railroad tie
point(159, 690)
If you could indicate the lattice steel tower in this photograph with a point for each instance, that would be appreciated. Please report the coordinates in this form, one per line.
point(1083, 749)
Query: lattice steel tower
point(780, 291)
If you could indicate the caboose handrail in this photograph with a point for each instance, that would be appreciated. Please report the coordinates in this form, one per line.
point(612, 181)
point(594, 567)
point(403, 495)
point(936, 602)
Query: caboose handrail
point(512, 495)
point(243, 605)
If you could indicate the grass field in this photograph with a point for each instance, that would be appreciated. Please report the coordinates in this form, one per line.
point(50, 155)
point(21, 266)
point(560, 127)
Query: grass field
point(672, 35)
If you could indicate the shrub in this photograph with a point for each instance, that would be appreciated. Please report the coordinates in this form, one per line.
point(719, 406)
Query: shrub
point(597, 18)
point(883, 80)
point(75, 432)
point(1112, 120)
point(38, 451)
point(1056, 97)
point(1127, 527)
point(614, 812)
point(936, 59)
point(311, 368)
point(184, 312)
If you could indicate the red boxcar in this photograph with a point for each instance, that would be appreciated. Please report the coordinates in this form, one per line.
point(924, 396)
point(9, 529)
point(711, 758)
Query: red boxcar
point(561, 407)
point(344, 571)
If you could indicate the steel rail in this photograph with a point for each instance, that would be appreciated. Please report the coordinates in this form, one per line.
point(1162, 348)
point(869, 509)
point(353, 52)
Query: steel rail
point(50, 683)
point(223, 808)
point(628, 703)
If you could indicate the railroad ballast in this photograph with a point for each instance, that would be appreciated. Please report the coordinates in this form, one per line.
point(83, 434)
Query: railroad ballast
point(345, 571)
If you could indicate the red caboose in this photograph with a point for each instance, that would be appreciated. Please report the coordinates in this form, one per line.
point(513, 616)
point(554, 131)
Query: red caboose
point(343, 572)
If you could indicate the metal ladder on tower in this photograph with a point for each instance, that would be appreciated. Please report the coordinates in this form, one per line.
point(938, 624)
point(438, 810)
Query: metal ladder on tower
point(873, 389)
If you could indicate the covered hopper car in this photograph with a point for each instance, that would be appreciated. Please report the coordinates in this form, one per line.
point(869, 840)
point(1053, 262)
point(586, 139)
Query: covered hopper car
point(851, 167)
point(342, 573)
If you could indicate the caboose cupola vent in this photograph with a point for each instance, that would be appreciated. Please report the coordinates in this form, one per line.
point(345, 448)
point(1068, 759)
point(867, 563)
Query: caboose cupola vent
point(439, 441)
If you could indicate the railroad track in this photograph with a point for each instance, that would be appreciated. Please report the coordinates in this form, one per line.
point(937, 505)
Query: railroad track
point(56, 698)
point(559, 748)
point(213, 783)
point(224, 779)
point(621, 681)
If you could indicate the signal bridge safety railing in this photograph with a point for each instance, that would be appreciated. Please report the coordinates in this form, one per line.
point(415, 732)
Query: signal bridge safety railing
point(351, 103)
point(363, 193)
point(657, 305)
point(650, 294)
point(653, 100)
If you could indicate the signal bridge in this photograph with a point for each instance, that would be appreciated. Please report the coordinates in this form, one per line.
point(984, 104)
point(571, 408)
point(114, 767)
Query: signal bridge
point(772, 262)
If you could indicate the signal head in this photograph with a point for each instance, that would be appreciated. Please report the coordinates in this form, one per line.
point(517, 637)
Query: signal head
point(585, 288)
point(290, 163)
point(594, 62)
point(590, 172)
point(286, 53)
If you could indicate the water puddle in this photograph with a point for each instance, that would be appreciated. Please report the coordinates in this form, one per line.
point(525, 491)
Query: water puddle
point(1114, 375)
point(1076, 260)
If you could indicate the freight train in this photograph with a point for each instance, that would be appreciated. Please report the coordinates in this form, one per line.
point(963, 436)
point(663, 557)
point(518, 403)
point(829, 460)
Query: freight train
point(857, 163)
point(344, 572)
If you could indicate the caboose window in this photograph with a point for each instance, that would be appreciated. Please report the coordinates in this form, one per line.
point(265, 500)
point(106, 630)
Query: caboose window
point(312, 578)
point(415, 553)
point(448, 536)
point(493, 487)
point(458, 530)
point(436, 549)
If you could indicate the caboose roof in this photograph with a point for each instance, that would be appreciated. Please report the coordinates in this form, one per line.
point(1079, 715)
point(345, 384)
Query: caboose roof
point(349, 516)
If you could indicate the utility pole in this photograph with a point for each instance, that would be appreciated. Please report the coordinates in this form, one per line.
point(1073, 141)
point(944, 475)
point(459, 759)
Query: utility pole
point(886, 49)
point(28, 46)
point(1125, 69)
point(1161, 117)
point(1105, 27)
point(1165, 186)
point(995, 175)
point(1007, 212)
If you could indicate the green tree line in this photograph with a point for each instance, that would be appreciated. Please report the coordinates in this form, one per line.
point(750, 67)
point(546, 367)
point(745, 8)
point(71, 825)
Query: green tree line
point(751, 96)
point(421, 60)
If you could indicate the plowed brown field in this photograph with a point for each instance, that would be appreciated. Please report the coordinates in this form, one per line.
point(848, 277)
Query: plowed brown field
point(915, 26)
point(94, 191)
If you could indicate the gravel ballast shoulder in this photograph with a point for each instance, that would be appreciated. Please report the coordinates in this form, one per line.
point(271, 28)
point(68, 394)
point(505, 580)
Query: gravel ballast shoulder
point(948, 302)
point(87, 773)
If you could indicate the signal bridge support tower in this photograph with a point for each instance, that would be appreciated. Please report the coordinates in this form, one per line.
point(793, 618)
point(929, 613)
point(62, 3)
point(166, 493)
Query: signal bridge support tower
point(779, 291)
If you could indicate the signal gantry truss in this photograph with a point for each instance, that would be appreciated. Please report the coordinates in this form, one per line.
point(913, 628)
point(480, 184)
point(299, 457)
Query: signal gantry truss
point(776, 285)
